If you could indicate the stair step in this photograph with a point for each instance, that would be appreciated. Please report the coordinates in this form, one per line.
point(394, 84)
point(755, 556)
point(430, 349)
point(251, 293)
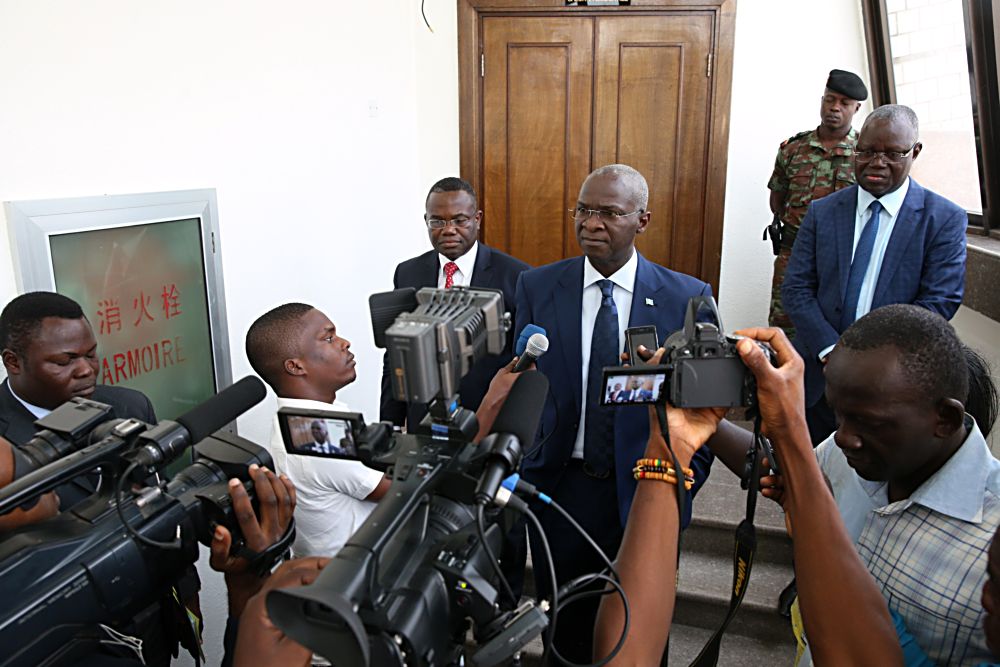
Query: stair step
point(686, 641)
point(721, 501)
point(703, 592)
point(736, 650)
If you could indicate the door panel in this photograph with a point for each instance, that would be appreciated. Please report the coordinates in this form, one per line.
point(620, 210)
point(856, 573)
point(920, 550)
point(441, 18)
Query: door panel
point(537, 92)
point(652, 112)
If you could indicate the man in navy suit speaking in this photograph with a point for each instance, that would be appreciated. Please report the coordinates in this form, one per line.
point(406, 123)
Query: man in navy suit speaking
point(583, 454)
point(885, 240)
point(453, 217)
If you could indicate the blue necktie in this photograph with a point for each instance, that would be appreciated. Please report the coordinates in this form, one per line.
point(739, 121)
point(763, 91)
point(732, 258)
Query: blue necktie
point(859, 266)
point(599, 438)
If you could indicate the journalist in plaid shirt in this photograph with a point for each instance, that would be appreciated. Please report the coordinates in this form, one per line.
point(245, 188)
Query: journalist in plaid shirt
point(913, 476)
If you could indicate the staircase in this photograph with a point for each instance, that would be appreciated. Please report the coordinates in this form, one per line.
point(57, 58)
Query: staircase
point(757, 635)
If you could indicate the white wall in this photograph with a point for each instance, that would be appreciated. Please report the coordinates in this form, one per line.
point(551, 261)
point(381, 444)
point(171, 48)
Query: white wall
point(781, 61)
point(983, 335)
point(321, 124)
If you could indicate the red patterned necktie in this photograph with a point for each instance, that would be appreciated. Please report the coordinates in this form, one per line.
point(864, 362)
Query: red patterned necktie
point(449, 274)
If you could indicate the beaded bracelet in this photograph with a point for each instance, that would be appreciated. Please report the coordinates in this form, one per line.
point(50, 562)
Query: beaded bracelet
point(662, 463)
point(659, 470)
point(663, 477)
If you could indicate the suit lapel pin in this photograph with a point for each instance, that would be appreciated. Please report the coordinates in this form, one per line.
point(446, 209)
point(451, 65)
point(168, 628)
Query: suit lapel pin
point(649, 302)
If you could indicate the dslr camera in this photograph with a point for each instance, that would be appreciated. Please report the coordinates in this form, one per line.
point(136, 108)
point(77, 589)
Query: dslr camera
point(700, 368)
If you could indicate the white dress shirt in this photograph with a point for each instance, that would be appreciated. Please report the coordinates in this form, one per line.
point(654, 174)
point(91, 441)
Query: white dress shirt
point(466, 263)
point(331, 493)
point(891, 204)
point(624, 280)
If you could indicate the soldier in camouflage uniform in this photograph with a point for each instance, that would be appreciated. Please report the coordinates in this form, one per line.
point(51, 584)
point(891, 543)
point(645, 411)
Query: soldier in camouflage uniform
point(811, 165)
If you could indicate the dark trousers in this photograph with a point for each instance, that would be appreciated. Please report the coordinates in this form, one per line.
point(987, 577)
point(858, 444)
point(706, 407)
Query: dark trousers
point(593, 502)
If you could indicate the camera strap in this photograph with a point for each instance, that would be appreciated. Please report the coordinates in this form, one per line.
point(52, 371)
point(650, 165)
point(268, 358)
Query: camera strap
point(262, 562)
point(744, 549)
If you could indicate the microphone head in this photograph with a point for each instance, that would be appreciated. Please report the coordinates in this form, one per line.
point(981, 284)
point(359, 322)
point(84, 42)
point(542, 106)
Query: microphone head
point(537, 345)
point(522, 339)
point(522, 410)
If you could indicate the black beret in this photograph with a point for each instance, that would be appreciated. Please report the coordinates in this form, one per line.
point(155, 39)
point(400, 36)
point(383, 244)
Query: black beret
point(847, 83)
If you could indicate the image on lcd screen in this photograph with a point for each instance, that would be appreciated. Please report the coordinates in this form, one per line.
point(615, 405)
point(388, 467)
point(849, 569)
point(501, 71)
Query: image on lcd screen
point(629, 388)
point(316, 436)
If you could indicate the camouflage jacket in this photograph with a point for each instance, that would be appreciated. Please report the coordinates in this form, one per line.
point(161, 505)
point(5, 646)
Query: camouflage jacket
point(804, 170)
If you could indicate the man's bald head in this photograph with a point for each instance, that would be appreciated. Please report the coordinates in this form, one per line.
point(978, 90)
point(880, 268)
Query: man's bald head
point(634, 182)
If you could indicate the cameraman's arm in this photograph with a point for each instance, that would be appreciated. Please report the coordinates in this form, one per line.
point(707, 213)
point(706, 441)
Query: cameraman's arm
point(494, 399)
point(730, 444)
point(647, 559)
point(838, 597)
point(276, 497)
point(380, 490)
point(47, 505)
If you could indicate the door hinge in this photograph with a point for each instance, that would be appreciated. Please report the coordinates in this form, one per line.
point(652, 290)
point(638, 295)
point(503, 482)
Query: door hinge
point(708, 67)
point(482, 64)
point(213, 243)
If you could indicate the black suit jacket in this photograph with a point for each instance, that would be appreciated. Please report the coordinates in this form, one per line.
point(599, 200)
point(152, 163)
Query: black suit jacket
point(17, 425)
point(493, 269)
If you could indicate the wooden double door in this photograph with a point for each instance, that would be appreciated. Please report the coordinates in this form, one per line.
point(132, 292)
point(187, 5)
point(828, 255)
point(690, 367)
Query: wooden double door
point(558, 93)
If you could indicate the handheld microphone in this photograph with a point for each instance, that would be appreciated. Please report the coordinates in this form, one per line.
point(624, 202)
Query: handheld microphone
point(537, 345)
point(522, 339)
point(515, 424)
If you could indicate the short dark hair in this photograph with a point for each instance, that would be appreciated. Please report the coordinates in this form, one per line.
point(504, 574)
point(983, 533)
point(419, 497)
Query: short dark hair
point(22, 317)
point(453, 184)
point(273, 338)
point(892, 113)
point(982, 400)
point(932, 356)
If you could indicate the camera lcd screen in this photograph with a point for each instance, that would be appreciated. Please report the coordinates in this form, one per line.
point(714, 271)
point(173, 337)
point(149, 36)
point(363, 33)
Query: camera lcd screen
point(315, 433)
point(632, 386)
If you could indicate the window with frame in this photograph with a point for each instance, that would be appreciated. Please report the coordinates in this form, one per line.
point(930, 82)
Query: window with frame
point(939, 58)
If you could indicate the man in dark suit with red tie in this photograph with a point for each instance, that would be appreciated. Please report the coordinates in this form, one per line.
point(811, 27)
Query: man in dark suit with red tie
point(453, 217)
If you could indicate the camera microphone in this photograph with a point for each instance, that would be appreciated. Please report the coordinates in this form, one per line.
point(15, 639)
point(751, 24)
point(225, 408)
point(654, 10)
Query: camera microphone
point(513, 430)
point(537, 345)
point(167, 439)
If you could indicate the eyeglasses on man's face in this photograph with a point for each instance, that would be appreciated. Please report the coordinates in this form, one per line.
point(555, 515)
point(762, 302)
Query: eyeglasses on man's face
point(582, 214)
point(889, 156)
point(461, 222)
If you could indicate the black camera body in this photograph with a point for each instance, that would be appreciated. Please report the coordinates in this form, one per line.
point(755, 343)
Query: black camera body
point(700, 368)
point(705, 369)
point(405, 586)
point(404, 589)
point(95, 564)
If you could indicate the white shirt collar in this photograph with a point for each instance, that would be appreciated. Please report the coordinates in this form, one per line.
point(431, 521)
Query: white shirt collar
point(33, 409)
point(891, 202)
point(309, 404)
point(623, 277)
point(466, 263)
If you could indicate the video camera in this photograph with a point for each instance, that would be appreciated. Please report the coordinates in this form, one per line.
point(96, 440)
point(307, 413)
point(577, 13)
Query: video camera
point(404, 587)
point(107, 558)
point(433, 337)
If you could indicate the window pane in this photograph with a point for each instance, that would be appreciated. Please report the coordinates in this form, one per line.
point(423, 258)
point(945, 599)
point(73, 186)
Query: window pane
point(927, 40)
